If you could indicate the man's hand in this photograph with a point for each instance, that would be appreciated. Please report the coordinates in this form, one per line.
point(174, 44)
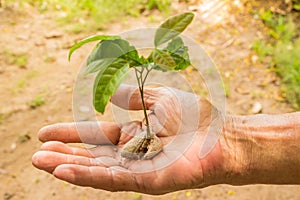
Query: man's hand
point(100, 167)
point(251, 149)
point(180, 119)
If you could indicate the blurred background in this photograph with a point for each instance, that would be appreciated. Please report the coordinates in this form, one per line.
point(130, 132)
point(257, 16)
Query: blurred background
point(255, 46)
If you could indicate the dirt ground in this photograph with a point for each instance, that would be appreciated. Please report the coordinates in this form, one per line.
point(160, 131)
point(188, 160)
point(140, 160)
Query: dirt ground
point(44, 79)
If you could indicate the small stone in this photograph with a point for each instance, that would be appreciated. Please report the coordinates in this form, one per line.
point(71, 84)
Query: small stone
point(23, 37)
point(193, 8)
point(26, 26)
point(256, 108)
point(13, 146)
point(39, 42)
point(2, 69)
point(7, 196)
point(242, 90)
point(53, 34)
point(227, 74)
point(2, 171)
point(49, 118)
point(81, 21)
point(254, 58)
point(58, 7)
point(63, 14)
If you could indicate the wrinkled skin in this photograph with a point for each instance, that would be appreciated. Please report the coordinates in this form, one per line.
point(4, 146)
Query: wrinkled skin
point(178, 118)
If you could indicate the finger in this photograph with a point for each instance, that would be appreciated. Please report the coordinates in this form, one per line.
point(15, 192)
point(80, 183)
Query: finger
point(111, 179)
point(156, 126)
point(63, 148)
point(48, 160)
point(129, 130)
point(99, 151)
point(86, 132)
point(128, 97)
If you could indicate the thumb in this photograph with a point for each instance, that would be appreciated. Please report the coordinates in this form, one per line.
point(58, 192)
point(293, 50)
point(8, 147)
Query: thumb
point(128, 97)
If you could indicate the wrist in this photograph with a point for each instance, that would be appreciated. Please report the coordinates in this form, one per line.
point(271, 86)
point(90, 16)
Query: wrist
point(262, 149)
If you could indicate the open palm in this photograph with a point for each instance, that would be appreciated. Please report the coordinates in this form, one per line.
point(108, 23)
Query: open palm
point(175, 119)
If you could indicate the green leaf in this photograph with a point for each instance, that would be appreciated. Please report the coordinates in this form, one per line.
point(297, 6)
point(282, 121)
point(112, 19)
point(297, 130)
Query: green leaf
point(181, 58)
point(179, 53)
point(118, 48)
point(133, 58)
point(90, 39)
point(107, 82)
point(175, 44)
point(106, 49)
point(163, 59)
point(100, 64)
point(296, 6)
point(172, 28)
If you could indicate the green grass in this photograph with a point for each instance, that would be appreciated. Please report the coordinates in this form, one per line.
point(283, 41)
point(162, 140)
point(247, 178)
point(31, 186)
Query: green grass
point(49, 59)
point(18, 87)
point(24, 137)
point(38, 101)
point(3, 117)
point(21, 61)
point(21, 83)
point(279, 26)
point(94, 15)
point(162, 5)
point(296, 5)
point(281, 51)
point(263, 49)
point(16, 59)
point(226, 86)
point(286, 57)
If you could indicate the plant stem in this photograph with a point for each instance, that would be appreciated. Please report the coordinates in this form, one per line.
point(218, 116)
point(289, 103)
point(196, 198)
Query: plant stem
point(141, 82)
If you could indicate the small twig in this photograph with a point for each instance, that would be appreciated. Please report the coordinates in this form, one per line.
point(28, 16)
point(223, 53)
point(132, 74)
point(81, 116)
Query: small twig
point(148, 71)
point(141, 83)
point(227, 43)
point(137, 76)
point(138, 70)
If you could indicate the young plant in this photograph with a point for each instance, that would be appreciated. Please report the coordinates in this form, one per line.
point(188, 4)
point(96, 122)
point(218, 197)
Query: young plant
point(112, 58)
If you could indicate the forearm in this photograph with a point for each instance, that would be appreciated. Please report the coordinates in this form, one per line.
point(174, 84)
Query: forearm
point(264, 149)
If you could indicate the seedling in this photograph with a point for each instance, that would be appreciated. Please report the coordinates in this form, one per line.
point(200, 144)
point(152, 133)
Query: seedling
point(112, 58)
